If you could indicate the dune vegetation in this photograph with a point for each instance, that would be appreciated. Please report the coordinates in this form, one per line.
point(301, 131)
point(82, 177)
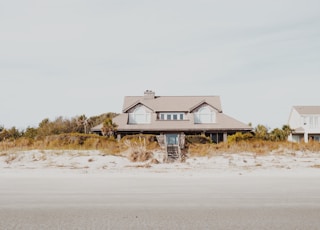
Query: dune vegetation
point(67, 134)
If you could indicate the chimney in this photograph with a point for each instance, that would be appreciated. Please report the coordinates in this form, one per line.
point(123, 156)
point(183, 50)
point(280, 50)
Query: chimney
point(149, 94)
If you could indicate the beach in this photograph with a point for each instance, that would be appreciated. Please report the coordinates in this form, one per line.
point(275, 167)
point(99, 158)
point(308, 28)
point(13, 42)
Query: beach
point(239, 191)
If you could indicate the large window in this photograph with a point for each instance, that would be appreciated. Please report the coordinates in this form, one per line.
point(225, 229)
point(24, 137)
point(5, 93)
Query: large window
point(140, 116)
point(313, 120)
point(204, 115)
point(171, 116)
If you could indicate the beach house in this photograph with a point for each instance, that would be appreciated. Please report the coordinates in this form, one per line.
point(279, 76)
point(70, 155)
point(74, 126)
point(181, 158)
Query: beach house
point(305, 123)
point(173, 117)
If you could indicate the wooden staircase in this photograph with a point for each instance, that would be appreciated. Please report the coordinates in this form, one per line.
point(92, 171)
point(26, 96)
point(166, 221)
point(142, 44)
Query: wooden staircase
point(173, 152)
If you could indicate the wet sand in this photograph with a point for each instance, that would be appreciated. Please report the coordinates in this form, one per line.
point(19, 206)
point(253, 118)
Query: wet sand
point(157, 201)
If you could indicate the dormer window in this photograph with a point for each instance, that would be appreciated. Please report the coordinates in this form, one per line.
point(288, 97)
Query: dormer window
point(205, 115)
point(140, 115)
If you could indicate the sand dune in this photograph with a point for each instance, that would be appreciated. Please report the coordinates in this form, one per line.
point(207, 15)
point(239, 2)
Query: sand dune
point(74, 161)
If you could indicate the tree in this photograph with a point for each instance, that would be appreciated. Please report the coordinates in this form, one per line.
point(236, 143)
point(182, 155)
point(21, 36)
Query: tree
point(30, 133)
point(44, 128)
point(261, 132)
point(96, 120)
point(10, 134)
point(280, 134)
point(277, 135)
point(4, 134)
point(238, 136)
point(108, 127)
point(84, 123)
point(287, 130)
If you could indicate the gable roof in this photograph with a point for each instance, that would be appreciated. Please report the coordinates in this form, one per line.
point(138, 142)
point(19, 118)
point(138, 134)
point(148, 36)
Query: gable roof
point(172, 103)
point(307, 109)
point(203, 102)
point(134, 105)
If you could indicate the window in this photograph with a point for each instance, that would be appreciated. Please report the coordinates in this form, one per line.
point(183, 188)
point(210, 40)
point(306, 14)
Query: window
point(139, 116)
point(316, 138)
point(313, 122)
point(171, 116)
point(204, 115)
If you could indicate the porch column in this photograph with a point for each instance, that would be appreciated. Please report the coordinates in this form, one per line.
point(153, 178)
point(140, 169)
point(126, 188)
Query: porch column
point(306, 139)
point(225, 137)
point(118, 137)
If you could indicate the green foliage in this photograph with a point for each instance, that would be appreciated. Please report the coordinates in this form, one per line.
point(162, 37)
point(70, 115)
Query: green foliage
point(96, 120)
point(148, 138)
point(80, 141)
point(280, 134)
point(61, 125)
point(261, 132)
point(58, 126)
point(277, 135)
point(197, 139)
point(10, 134)
point(239, 137)
point(83, 124)
point(287, 130)
point(30, 133)
point(109, 127)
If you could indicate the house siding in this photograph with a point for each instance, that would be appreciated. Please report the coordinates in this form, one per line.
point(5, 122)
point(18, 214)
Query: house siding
point(305, 122)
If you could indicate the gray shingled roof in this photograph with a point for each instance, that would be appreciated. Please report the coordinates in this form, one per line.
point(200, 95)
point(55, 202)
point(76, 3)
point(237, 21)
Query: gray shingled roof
point(175, 104)
point(224, 122)
point(171, 103)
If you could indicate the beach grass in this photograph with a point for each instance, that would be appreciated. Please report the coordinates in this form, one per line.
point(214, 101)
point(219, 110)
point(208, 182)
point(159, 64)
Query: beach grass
point(141, 146)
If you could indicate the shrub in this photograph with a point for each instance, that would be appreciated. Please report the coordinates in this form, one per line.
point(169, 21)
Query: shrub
point(140, 156)
point(148, 140)
point(239, 137)
point(197, 139)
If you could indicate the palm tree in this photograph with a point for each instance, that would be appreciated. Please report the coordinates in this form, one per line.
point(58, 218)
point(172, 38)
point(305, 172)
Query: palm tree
point(261, 132)
point(287, 130)
point(84, 122)
point(108, 127)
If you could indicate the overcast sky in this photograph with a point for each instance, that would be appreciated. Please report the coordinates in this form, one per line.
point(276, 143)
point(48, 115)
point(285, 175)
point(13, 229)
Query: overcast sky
point(73, 57)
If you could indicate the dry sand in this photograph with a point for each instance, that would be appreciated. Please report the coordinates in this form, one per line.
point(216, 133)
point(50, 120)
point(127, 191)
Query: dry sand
point(67, 190)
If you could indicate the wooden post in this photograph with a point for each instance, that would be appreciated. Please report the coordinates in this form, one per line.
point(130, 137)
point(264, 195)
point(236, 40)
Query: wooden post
point(225, 137)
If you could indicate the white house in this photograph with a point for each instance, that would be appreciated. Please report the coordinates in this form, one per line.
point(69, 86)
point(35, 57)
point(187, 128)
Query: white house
point(305, 122)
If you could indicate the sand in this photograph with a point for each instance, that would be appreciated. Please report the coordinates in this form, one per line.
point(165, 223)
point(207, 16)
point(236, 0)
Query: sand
point(238, 191)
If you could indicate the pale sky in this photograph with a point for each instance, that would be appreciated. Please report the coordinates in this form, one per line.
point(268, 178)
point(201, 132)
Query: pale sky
point(72, 57)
